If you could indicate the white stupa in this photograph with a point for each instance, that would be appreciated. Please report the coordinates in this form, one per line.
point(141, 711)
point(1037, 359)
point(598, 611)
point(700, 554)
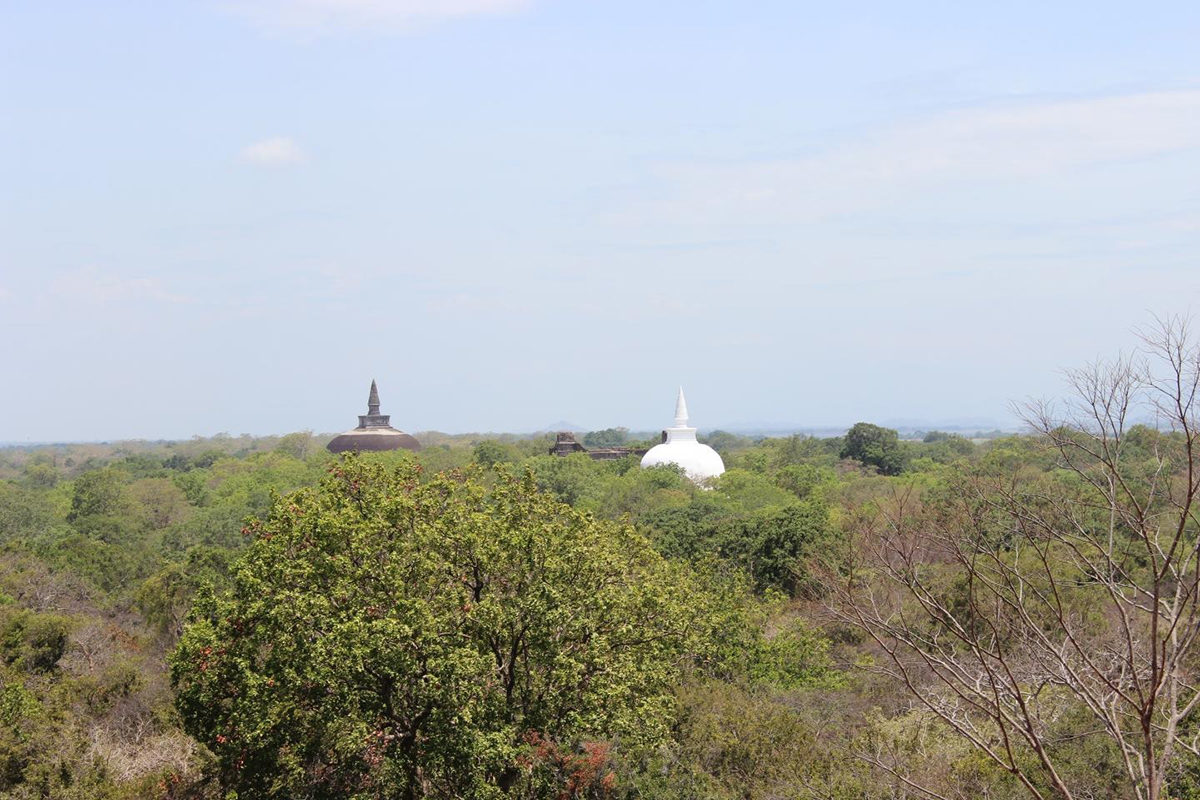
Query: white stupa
point(699, 461)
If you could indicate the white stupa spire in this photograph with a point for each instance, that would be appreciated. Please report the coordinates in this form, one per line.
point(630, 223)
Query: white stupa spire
point(681, 413)
point(681, 448)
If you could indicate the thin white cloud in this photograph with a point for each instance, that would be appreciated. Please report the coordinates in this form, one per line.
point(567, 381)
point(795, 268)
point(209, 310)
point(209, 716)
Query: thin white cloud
point(1183, 222)
point(977, 145)
point(93, 286)
point(322, 16)
point(278, 151)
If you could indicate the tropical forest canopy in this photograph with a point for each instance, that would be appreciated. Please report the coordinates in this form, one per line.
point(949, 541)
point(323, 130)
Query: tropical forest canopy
point(845, 617)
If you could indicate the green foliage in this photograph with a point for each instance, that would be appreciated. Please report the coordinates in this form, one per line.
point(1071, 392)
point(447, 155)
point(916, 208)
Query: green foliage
point(83, 711)
point(609, 437)
point(772, 544)
point(41, 475)
point(24, 513)
point(17, 704)
point(796, 657)
point(490, 452)
point(165, 597)
point(384, 632)
point(299, 445)
point(193, 484)
point(731, 744)
point(19, 712)
point(873, 446)
point(746, 492)
point(344, 599)
point(159, 503)
point(32, 642)
point(443, 457)
point(99, 493)
point(570, 478)
point(727, 443)
point(800, 449)
point(803, 479)
point(944, 448)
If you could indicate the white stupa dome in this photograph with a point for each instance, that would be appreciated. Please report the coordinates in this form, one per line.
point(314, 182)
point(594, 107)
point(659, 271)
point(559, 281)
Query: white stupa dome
point(699, 461)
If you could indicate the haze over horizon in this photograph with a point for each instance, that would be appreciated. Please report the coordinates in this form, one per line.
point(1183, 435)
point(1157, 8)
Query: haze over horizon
point(965, 427)
point(231, 216)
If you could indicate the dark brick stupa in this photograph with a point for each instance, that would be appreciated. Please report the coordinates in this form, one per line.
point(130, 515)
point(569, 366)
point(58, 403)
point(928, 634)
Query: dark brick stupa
point(374, 432)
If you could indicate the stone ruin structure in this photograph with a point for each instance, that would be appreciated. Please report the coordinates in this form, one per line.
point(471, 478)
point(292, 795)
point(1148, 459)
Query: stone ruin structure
point(565, 444)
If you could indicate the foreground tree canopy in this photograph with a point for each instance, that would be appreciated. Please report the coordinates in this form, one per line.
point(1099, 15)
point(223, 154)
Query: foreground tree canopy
point(387, 637)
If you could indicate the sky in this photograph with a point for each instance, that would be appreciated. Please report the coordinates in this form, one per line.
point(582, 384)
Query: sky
point(231, 215)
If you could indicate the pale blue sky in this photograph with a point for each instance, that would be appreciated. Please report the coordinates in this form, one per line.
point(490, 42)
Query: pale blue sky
point(230, 216)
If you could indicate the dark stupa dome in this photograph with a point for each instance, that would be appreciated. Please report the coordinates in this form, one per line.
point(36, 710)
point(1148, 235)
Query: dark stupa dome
point(374, 432)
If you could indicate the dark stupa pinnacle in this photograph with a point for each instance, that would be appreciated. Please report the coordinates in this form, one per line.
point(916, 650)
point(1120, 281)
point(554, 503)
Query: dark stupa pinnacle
point(374, 432)
point(373, 419)
point(373, 400)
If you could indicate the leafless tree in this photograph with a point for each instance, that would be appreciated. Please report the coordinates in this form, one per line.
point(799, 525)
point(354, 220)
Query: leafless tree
point(1028, 592)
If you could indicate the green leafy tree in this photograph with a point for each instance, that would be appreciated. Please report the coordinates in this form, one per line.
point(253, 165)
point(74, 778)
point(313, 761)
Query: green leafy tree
point(773, 544)
point(388, 637)
point(490, 452)
point(297, 445)
point(801, 449)
point(159, 502)
point(98, 493)
point(23, 513)
point(609, 437)
point(165, 597)
point(573, 479)
point(874, 446)
point(725, 442)
point(802, 479)
point(33, 642)
point(41, 473)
